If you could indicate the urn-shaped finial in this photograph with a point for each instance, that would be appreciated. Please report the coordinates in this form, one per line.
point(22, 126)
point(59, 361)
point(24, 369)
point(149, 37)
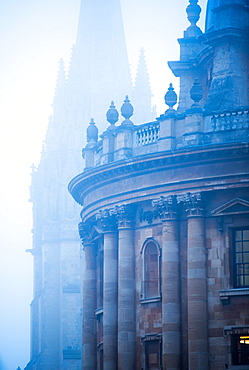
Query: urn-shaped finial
point(196, 93)
point(193, 11)
point(112, 114)
point(170, 98)
point(127, 110)
point(92, 132)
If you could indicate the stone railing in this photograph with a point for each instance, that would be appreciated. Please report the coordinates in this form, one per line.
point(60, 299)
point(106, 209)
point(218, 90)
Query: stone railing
point(230, 121)
point(147, 133)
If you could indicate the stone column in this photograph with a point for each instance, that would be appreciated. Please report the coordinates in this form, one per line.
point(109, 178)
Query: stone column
point(197, 284)
point(126, 291)
point(171, 311)
point(110, 294)
point(89, 350)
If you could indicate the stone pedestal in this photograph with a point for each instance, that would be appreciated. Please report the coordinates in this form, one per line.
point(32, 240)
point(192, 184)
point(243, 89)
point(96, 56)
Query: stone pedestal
point(126, 292)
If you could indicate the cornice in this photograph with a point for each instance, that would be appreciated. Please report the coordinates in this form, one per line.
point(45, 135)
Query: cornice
point(86, 182)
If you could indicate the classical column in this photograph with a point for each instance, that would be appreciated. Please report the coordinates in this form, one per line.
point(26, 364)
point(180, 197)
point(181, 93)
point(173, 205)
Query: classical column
point(126, 289)
point(89, 351)
point(171, 311)
point(197, 283)
point(110, 295)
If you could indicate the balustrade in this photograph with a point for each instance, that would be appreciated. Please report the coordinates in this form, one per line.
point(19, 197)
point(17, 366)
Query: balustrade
point(230, 121)
point(147, 134)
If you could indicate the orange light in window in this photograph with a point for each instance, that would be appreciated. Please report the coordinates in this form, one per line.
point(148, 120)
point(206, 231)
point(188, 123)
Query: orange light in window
point(244, 340)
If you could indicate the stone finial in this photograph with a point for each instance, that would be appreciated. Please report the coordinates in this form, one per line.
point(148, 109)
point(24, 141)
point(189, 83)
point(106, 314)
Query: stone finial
point(112, 114)
point(193, 11)
point(170, 99)
point(127, 111)
point(196, 93)
point(92, 132)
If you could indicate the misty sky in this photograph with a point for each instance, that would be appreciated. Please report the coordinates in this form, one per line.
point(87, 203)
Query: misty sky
point(34, 35)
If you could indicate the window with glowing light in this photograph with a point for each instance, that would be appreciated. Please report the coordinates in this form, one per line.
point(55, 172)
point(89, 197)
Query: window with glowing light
point(240, 349)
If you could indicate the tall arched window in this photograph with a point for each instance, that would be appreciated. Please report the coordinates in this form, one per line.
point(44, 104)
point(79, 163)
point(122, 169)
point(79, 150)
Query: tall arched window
point(151, 270)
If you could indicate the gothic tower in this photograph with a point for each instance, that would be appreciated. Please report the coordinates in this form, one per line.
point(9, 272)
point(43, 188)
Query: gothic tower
point(143, 112)
point(99, 73)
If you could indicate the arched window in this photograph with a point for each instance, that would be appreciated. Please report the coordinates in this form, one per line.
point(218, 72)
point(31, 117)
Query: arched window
point(150, 270)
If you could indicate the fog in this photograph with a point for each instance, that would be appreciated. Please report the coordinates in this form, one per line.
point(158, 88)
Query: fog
point(34, 35)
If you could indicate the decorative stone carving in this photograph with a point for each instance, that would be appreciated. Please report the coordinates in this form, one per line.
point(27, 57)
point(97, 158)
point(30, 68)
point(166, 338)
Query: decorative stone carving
point(193, 11)
point(112, 115)
point(127, 111)
point(125, 215)
point(166, 207)
point(92, 132)
point(107, 220)
point(170, 99)
point(196, 93)
point(121, 216)
point(193, 203)
point(85, 229)
point(148, 216)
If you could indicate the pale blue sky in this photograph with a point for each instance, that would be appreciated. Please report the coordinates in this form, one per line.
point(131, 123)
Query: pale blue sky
point(34, 35)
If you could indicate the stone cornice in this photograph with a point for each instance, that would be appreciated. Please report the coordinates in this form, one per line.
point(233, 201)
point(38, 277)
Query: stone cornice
point(217, 37)
point(86, 182)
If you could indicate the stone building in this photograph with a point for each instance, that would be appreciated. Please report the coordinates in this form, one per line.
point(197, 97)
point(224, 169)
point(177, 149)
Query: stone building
point(56, 309)
point(165, 204)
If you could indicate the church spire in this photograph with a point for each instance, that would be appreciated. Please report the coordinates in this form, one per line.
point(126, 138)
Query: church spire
point(141, 97)
point(60, 90)
point(101, 65)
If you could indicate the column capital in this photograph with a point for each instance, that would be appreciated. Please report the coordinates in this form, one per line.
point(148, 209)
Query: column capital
point(85, 230)
point(166, 207)
point(107, 220)
point(125, 215)
point(193, 204)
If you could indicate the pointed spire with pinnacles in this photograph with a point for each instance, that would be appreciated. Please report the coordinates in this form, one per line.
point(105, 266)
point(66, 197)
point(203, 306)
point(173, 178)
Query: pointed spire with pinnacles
point(141, 96)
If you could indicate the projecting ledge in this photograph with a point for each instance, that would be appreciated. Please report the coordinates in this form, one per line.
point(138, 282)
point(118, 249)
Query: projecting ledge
point(226, 294)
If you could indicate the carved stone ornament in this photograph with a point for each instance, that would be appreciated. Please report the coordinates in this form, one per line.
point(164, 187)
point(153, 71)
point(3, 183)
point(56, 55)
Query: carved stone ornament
point(125, 215)
point(166, 207)
point(85, 229)
point(193, 203)
point(107, 220)
point(148, 216)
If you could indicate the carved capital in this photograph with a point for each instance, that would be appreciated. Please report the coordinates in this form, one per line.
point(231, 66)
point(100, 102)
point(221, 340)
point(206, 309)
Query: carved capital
point(166, 207)
point(193, 204)
point(125, 215)
point(85, 229)
point(107, 220)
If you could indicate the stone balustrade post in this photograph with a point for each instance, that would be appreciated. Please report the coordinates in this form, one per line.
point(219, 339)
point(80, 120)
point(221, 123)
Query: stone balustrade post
point(171, 310)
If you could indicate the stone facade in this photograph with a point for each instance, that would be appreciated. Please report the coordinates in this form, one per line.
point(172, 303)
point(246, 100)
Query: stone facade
point(56, 309)
point(165, 207)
